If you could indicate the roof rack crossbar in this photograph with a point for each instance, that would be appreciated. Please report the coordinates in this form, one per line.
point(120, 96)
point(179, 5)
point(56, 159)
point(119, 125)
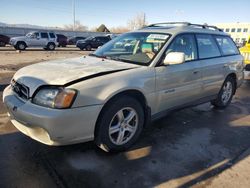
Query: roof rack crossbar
point(203, 26)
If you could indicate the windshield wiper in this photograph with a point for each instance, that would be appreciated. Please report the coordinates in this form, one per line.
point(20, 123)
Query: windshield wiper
point(94, 55)
point(120, 59)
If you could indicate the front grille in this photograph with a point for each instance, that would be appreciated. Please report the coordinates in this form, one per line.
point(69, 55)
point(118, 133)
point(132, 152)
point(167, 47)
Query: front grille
point(246, 56)
point(20, 89)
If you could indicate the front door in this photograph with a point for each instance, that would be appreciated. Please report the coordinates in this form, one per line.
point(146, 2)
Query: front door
point(180, 84)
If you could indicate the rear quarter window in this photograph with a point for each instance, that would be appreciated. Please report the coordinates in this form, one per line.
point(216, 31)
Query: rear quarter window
point(227, 45)
point(52, 35)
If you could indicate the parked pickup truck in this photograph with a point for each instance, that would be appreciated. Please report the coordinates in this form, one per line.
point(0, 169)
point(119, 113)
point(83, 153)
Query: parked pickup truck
point(44, 39)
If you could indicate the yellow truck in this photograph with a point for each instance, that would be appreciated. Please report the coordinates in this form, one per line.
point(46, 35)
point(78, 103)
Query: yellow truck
point(245, 51)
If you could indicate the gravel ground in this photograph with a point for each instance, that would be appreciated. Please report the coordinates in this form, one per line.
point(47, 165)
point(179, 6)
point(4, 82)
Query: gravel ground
point(199, 146)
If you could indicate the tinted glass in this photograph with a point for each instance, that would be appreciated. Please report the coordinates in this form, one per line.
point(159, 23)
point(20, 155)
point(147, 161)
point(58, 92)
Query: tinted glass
point(207, 46)
point(233, 30)
point(239, 30)
point(186, 44)
point(227, 45)
point(52, 35)
point(44, 35)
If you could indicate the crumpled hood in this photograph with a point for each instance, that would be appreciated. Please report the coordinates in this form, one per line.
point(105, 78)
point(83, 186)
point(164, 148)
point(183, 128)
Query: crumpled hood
point(61, 72)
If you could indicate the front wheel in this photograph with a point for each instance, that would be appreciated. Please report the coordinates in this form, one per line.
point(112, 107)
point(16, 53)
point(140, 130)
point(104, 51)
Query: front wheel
point(120, 124)
point(88, 47)
point(226, 93)
point(21, 46)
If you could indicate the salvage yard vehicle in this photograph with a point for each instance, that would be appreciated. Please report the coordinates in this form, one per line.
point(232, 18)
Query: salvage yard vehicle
point(44, 39)
point(245, 51)
point(92, 42)
point(62, 40)
point(73, 40)
point(112, 94)
point(4, 40)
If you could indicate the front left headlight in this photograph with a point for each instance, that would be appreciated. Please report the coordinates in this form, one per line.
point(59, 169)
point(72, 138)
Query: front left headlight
point(55, 97)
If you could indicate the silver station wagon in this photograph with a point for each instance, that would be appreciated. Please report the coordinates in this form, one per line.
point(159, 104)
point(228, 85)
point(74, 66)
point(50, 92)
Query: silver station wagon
point(112, 94)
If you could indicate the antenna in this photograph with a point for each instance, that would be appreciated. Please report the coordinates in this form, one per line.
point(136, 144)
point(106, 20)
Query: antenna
point(73, 14)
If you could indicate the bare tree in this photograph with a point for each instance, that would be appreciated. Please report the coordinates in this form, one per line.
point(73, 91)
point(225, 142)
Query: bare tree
point(137, 22)
point(78, 26)
point(119, 29)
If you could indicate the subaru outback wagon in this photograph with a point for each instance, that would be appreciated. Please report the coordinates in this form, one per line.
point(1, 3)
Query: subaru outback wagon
point(112, 94)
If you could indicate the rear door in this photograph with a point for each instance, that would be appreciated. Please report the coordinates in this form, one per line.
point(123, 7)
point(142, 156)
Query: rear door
point(44, 39)
point(212, 64)
point(180, 84)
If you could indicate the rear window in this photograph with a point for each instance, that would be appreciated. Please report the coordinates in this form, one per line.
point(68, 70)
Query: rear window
point(227, 46)
point(44, 35)
point(207, 46)
point(52, 35)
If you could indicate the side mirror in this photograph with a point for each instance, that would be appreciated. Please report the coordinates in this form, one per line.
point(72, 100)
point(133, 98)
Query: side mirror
point(174, 58)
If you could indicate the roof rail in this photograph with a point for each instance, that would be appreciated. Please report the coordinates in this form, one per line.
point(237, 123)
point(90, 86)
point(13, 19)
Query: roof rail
point(203, 26)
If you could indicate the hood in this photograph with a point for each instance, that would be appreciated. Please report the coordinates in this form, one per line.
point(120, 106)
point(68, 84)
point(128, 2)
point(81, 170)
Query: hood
point(61, 72)
point(18, 38)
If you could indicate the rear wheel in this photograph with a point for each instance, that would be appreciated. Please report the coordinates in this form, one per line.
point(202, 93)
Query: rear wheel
point(2, 43)
point(51, 46)
point(120, 124)
point(226, 93)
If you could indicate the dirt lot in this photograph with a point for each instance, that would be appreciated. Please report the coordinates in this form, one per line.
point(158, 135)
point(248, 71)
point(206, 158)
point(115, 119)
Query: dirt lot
point(199, 146)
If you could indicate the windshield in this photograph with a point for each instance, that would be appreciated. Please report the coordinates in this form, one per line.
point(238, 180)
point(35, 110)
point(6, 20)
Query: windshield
point(29, 34)
point(136, 47)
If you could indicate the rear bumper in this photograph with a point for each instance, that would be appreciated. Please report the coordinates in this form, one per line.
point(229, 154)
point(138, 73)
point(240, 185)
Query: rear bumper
point(51, 126)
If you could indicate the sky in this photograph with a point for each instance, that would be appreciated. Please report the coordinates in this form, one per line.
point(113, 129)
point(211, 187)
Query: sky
point(114, 13)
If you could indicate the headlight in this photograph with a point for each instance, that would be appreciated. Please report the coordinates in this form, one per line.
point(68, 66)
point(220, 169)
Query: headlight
point(55, 97)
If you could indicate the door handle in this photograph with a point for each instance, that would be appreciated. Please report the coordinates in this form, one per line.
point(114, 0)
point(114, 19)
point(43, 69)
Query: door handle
point(195, 72)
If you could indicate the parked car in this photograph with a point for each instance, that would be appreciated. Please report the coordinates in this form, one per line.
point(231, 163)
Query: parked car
point(4, 40)
point(245, 51)
point(44, 39)
point(112, 94)
point(73, 40)
point(62, 40)
point(92, 42)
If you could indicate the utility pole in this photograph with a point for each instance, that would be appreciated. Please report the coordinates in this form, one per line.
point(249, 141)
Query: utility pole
point(73, 14)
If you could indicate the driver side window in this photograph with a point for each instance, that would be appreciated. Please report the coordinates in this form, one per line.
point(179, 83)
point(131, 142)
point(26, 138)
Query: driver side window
point(184, 43)
point(36, 34)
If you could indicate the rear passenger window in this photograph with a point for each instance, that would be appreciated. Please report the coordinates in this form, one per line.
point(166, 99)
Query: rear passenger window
point(52, 35)
point(44, 35)
point(184, 43)
point(207, 46)
point(227, 45)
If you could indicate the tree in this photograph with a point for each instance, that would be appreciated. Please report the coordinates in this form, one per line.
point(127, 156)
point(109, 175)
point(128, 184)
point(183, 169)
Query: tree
point(119, 29)
point(137, 22)
point(102, 28)
point(78, 26)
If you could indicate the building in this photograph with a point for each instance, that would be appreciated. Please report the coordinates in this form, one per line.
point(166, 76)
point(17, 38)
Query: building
point(238, 31)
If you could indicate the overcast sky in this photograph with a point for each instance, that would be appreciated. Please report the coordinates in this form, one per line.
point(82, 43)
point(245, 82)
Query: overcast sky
point(116, 12)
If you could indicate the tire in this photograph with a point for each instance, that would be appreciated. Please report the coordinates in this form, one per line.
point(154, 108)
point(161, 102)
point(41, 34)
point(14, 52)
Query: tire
point(113, 132)
point(88, 47)
point(226, 93)
point(21, 46)
point(2, 44)
point(51, 46)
